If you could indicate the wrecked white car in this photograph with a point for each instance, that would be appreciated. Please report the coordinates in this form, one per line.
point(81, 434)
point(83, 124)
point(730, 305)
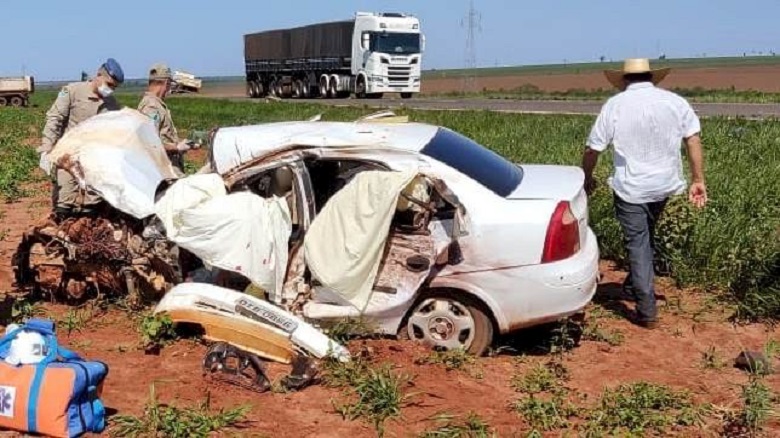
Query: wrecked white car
point(413, 227)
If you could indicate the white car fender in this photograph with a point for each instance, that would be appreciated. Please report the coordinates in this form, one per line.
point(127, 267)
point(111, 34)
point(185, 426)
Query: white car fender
point(469, 288)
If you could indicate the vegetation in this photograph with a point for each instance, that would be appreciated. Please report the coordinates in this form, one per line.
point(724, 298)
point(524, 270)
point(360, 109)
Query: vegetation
point(472, 427)
point(696, 94)
point(377, 391)
point(174, 422)
point(583, 67)
point(156, 330)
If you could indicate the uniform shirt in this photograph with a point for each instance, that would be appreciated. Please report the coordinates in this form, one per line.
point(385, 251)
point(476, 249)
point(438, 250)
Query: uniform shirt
point(155, 108)
point(75, 103)
point(646, 126)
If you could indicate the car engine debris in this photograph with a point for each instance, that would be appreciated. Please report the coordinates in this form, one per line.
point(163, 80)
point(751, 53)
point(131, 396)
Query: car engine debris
point(109, 253)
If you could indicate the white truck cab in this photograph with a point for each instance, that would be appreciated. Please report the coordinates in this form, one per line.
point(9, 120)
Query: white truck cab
point(387, 53)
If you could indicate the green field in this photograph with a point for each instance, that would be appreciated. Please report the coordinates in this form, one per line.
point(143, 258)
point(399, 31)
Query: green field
point(531, 92)
point(732, 248)
point(580, 67)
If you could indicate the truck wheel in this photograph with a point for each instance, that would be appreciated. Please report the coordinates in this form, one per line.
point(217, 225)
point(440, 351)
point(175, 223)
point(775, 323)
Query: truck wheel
point(280, 89)
point(323, 87)
point(406, 95)
point(16, 101)
point(360, 87)
point(250, 90)
point(446, 322)
point(306, 89)
point(260, 89)
point(333, 87)
point(3, 101)
point(272, 89)
point(298, 89)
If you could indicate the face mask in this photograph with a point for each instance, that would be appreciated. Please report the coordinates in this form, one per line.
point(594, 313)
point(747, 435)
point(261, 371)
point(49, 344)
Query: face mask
point(104, 90)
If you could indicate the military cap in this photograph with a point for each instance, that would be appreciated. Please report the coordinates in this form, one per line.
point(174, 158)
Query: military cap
point(159, 72)
point(114, 70)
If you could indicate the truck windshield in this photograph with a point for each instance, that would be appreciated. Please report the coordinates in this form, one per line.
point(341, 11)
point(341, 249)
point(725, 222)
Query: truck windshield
point(475, 161)
point(395, 43)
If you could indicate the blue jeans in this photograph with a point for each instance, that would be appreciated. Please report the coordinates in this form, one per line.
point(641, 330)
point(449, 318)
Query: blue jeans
point(638, 222)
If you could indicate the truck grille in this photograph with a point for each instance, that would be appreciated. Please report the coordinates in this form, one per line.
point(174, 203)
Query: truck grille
point(398, 74)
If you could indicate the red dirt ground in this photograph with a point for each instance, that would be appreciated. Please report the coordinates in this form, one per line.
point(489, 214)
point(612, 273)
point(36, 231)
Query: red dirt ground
point(759, 78)
point(671, 355)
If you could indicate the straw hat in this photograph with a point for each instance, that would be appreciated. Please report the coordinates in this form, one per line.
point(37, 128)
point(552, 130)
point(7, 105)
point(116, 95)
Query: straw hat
point(635, 66)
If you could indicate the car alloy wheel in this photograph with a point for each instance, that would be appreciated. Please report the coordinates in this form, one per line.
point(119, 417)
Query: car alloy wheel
point(448, 323)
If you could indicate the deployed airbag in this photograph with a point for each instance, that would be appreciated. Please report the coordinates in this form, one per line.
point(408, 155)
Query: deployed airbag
point(345, 242)
point(119, 155)
point(239, 232)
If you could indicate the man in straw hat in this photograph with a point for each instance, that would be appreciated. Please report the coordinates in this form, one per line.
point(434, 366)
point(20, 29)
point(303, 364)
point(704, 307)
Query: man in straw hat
point(646, 127)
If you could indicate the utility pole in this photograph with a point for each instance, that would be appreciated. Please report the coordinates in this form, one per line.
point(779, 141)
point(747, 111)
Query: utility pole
point(473, 24)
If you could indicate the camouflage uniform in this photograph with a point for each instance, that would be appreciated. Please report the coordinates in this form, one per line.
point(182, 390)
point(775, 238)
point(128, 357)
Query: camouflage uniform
point(158, 111)
point(75, 103)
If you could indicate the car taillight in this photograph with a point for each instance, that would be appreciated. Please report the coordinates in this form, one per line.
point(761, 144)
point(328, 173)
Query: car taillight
point(563, 235)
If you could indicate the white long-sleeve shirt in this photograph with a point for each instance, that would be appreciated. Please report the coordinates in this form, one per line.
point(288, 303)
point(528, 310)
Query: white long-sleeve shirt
point(646, 126)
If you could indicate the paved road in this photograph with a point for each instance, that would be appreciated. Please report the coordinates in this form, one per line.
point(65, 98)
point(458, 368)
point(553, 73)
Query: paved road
point(747, 110)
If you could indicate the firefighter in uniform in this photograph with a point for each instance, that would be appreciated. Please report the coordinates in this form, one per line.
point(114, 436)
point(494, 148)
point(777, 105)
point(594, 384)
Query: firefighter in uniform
point(75, 103)
point(153, 105)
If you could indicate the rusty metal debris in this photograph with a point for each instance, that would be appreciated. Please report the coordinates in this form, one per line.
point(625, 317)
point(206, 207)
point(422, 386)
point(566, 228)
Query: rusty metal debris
point(76, 257)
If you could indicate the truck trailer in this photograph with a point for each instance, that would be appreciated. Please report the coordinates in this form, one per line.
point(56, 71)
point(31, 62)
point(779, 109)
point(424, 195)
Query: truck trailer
point(15, 91)
point(369, 55)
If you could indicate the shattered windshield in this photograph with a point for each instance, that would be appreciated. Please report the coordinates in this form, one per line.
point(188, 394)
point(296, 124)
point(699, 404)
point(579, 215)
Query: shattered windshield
point(395, 43)
point(479, 163)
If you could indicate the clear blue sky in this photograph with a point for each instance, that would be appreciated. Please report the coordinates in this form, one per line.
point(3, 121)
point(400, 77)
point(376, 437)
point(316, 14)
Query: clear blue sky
point(57, 39)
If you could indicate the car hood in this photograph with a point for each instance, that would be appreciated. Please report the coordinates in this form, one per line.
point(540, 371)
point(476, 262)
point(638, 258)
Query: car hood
point(549, 182)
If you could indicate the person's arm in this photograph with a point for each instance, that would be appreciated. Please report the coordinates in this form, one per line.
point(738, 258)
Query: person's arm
point(154, 114)
point(697, 193)
point(600, 137)
point(56, 119)
point(589, 160)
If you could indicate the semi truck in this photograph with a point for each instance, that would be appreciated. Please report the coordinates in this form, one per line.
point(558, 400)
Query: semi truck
point(15, 91)
point(366, 56)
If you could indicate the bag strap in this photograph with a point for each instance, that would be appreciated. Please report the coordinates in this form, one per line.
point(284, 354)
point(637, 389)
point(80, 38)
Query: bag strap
point(35, 388)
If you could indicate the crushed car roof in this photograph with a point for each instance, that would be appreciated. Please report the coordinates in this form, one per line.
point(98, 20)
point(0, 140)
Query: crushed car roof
point(234, 146)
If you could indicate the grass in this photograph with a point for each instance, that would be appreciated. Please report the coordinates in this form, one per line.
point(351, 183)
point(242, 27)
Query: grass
point(637, 409)
point(583, 67)
point(471, 427)
point(596, 333)
point(156, 330)
point(532, 92)
point(377, 392)
point(542, 378)
point(347, 329)
point(732, 246)
point(455, 359)
point(711, 359)
point(174, 422)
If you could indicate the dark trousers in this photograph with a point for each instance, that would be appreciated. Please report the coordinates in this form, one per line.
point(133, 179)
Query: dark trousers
point(638, 222)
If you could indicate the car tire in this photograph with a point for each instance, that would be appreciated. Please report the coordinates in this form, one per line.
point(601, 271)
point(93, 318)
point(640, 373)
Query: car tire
point(434, 321)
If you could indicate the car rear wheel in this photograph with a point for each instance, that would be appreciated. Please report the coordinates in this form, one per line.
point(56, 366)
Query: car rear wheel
point(447, 323)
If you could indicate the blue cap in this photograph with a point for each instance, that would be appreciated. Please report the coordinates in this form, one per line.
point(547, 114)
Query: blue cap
point(114, 70)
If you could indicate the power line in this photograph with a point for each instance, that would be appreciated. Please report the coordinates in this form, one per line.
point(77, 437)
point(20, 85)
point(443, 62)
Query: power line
point(473, 23)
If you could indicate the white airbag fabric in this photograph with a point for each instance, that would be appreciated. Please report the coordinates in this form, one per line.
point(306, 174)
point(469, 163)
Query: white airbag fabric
point(345, 242)
point(122, 159)
point(240, 232)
